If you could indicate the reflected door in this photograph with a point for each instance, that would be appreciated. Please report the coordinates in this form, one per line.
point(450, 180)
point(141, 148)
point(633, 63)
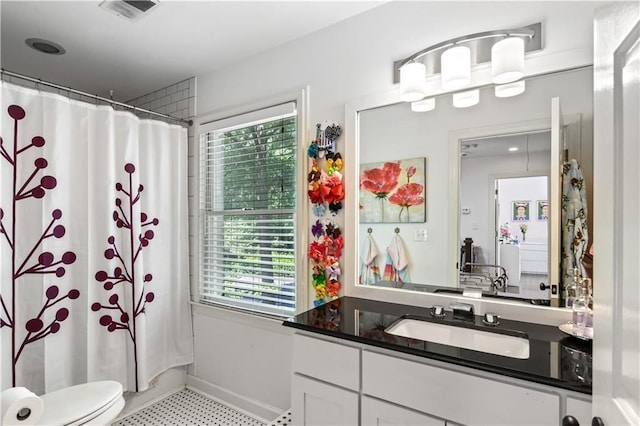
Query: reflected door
point(555, 200)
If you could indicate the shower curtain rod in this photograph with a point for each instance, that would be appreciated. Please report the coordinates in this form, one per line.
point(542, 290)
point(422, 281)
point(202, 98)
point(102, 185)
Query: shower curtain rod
point(99, 98)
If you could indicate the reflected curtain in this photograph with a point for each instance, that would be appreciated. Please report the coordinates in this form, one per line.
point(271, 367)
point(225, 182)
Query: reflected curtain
point(575, 235)
point(93, 244)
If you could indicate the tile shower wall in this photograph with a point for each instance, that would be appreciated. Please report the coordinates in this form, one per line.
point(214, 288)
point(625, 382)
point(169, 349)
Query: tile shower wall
point(179, 100)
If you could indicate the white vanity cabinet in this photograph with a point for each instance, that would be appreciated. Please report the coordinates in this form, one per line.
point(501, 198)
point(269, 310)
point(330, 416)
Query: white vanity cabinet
point(348, 383)
point(326, 383)
point(322, 404)
point(534, 258)
point(455, 396)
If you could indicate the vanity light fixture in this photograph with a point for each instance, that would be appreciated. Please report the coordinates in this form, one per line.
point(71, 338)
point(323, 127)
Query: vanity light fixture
point(509, 89)
point(507, 60)
point(412, 84)
point(466, 99)
point(454, 59)
point(423, 105)
point(456, 67)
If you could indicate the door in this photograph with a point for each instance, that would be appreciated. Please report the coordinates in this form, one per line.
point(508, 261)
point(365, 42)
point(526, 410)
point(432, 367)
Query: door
point(555, 203)
point(616, 350)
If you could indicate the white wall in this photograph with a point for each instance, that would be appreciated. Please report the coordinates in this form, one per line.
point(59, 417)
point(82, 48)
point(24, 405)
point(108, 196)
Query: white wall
point(344, 61)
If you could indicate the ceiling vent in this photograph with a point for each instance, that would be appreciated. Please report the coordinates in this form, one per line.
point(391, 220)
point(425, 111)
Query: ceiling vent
point(131, 10)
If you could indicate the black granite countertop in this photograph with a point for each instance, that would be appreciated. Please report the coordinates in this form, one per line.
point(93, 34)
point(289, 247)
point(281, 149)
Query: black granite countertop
point(555, 358)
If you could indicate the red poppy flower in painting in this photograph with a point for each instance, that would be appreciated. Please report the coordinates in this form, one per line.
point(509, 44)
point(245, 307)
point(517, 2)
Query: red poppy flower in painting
point(381, 181)
point(409, 194)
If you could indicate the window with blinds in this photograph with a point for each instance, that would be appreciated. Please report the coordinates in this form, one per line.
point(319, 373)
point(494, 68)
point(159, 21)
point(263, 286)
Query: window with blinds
point(248, 211)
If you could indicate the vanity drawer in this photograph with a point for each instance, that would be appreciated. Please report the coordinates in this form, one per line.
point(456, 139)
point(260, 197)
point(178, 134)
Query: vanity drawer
point(535, 267)
point(454, 395)
point(327, 361)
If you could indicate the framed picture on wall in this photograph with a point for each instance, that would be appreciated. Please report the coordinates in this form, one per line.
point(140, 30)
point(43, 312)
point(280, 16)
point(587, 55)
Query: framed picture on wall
point(520, 211)
point(542, 210)
point(393, 191)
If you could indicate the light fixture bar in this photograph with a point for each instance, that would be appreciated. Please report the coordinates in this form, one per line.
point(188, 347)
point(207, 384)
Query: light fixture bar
point(482, 43)
point(465, 39)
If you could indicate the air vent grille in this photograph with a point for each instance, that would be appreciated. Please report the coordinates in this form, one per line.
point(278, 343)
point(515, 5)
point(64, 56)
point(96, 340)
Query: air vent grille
point(141, 5)
point(131, 10)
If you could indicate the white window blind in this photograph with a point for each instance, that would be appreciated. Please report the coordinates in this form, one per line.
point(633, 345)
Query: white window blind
point(248, 210)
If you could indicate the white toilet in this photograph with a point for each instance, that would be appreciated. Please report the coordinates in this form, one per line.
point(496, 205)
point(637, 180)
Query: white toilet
point(94, 403)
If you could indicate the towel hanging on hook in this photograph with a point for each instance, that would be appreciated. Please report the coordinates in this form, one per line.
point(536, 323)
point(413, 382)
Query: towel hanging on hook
point(396, 265)
point(369, 270)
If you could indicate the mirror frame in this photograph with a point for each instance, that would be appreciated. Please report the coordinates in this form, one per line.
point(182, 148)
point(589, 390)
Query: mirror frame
point(509, 309)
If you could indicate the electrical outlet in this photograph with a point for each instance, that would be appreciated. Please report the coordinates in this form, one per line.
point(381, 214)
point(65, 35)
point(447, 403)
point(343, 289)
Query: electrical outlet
point(420, 234)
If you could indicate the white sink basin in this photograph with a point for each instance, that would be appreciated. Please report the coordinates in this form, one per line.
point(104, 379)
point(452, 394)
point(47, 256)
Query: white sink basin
point(467, 338)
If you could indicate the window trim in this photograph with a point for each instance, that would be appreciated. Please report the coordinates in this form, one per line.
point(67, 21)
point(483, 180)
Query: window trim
point(202, 125)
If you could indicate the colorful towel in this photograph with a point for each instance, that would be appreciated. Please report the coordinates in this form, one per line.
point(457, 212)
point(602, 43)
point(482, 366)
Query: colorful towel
point(369, 270)
point(395, 268)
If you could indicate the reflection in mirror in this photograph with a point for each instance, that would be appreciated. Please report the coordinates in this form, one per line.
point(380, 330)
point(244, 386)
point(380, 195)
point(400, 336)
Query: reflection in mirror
point(505, 179)
point(450, 140)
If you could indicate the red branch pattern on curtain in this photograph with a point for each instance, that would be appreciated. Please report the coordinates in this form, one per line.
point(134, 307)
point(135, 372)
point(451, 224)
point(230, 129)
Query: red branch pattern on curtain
point(125, 272)
point(46, 263)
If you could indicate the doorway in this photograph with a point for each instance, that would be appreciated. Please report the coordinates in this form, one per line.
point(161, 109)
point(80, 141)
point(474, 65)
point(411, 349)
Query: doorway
point(522, 231)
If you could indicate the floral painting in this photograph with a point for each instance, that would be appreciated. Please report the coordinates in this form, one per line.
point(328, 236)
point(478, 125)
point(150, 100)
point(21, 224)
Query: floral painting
point(393, 191)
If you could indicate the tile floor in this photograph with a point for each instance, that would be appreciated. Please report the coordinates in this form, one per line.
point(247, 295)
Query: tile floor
point(191, 408)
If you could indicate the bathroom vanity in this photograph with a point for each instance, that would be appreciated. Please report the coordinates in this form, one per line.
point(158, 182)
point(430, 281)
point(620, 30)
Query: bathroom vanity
point(347, 370)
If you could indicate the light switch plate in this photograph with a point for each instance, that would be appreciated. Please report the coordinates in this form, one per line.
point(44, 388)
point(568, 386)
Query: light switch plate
point(421, 234)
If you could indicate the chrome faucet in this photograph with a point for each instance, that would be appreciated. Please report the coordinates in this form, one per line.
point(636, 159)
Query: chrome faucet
point(462, 310)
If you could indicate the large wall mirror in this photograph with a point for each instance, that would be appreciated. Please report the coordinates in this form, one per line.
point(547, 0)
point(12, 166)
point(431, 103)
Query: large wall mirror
point(491, 217)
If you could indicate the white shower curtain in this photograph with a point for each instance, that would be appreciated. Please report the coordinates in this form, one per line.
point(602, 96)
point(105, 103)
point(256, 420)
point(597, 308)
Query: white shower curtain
point(93, 244)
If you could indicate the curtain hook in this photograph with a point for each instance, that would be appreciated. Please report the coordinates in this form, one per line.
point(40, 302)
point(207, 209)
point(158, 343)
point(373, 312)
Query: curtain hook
point(397, 230)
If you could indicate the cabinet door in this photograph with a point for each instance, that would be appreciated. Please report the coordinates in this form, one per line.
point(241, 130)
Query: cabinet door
point(579, 409)
point(380, 413)
point(321, 404)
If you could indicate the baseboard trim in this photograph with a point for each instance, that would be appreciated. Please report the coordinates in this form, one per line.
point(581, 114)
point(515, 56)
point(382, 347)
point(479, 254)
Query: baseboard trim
point(251, 407)
point(168, 383)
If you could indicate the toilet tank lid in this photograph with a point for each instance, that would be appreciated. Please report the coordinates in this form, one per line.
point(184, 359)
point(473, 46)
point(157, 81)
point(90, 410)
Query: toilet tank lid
point(68, 405)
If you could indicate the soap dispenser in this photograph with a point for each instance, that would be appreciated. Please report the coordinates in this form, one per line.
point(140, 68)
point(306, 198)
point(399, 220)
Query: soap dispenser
point(573, 290)
point(583, 311)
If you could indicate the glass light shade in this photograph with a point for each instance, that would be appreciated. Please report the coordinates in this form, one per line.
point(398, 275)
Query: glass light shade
point(507, 60)
point(412, 82)
point(456, 67)
point(509, 89)
point(424, 105)
point(466, 99)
